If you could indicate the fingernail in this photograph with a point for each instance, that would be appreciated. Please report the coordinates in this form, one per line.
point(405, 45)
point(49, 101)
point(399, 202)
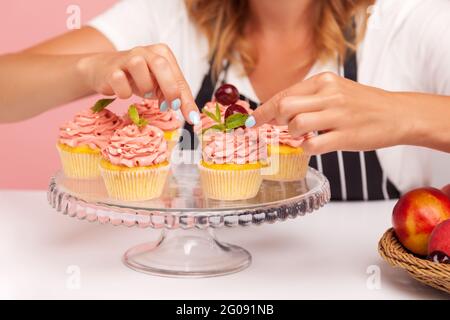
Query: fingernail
point(148, 95)
point(164, 106)
point(194, 117)
point(176, 104)
point(250, 122)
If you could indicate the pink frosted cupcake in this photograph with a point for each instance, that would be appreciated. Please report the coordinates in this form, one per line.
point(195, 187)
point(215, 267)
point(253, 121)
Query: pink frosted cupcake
point(135, 162)
point(81, 140)
point(167, 121)
point(288, 161)
point(231, 164)
point(232, 156)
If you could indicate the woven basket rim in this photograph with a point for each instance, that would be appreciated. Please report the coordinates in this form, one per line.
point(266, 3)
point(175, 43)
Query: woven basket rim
point(403, 255)
point(431, 273)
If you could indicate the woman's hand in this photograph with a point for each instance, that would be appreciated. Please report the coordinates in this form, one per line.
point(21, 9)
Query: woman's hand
point(150, 71)
point(351, 116)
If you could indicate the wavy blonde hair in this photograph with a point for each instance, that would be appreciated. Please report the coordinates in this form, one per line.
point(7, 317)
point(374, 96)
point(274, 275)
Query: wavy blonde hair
point(223, 22)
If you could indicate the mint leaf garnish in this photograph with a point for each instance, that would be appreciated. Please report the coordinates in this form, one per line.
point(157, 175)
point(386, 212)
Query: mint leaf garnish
point(211, 115)
point(142, 123)
point(218, 115)
point(101, 104)
point(235, 121)
point(133, 114)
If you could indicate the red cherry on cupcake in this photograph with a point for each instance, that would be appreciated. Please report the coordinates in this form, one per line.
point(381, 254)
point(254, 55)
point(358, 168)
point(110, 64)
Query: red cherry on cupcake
point(227, 94)
point(235, 108)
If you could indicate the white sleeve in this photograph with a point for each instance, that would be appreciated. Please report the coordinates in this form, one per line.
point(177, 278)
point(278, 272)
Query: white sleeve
point(431, 35)
point(131, 23)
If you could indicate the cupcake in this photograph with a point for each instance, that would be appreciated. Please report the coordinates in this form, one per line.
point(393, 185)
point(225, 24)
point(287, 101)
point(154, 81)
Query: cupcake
point(167, 121)
point(232, 156)
point(135, 161)
point(231, 164)
point(288, 161)
point(81, 140)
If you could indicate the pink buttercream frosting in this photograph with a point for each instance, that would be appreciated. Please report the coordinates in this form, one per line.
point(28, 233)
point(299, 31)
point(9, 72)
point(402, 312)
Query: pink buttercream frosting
point(281, 135)
point(131, 146)
point(149, 110)
point(89, 128)
point(207, 122)
point(240, 146)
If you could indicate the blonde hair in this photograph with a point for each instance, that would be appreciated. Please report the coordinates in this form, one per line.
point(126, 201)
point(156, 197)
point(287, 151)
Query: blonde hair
point(223, 22)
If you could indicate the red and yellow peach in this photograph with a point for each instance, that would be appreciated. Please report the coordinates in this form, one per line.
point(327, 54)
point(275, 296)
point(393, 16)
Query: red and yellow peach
point(415, 216)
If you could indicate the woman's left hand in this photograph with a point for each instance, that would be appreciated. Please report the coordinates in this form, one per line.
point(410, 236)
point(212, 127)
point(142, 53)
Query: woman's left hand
point(350, 116)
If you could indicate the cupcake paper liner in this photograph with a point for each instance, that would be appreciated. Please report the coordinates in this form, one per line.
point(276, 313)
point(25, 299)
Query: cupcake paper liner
point(80, 165)
point(287, 167)
point(135, 185)
point(230, 184)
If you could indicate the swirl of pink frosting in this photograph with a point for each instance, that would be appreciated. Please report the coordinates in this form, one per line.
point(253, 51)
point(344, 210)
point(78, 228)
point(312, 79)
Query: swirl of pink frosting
point(136, 147)
point(207, 122)
point(149, 110)
point(280, 134)
point(89, 128)
point(240, 146)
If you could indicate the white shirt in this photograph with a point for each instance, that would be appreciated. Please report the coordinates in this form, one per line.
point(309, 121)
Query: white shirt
point(406, 48)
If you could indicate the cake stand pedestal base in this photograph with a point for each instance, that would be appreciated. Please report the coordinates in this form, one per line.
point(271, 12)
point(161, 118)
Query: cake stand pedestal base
point(192, 253)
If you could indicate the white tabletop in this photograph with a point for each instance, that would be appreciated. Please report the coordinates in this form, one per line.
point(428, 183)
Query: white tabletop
point(330, 254)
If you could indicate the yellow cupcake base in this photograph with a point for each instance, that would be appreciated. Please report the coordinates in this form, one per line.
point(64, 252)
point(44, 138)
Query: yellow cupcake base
point(129, 184)
point(286, 166)
point(230, 184)
point(172, 138)
point(78, 163)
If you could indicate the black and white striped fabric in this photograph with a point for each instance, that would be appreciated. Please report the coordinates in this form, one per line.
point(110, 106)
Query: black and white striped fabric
point(352, 175)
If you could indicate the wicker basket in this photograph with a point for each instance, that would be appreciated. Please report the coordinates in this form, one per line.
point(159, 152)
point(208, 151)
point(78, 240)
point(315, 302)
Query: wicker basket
point(433, 274)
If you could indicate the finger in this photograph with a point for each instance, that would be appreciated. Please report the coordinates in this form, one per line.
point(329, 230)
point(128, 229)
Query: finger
point(188, 106)
point(305, 123)
point(290, 107)
point(322, 143)
point(269, 110)
point(162, 71)
point(138, 69)
point(120, 85)
point(163, 105)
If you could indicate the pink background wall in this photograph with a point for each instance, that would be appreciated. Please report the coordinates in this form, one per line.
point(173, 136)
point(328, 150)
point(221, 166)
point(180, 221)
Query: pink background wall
point(28, 155)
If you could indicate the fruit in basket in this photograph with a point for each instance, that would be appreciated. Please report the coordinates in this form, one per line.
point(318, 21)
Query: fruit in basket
point(446, 190)
point(416, 214)
point(439, 244)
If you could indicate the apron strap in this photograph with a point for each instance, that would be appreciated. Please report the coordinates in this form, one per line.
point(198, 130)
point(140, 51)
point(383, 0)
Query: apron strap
point(189, 140)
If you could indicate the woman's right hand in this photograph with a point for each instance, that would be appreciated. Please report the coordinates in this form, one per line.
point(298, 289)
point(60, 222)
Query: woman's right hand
point(150, 71)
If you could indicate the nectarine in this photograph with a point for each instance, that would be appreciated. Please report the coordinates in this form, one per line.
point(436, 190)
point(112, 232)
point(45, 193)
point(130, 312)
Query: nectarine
point(416, 214)
point(439, 244)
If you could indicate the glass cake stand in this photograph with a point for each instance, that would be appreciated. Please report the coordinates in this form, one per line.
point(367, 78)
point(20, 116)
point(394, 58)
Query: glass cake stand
point(187, 246)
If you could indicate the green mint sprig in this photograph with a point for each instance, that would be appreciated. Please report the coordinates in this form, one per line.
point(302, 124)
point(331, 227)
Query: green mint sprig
point(135, 118)
point(234, 121)
point(101, 104)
